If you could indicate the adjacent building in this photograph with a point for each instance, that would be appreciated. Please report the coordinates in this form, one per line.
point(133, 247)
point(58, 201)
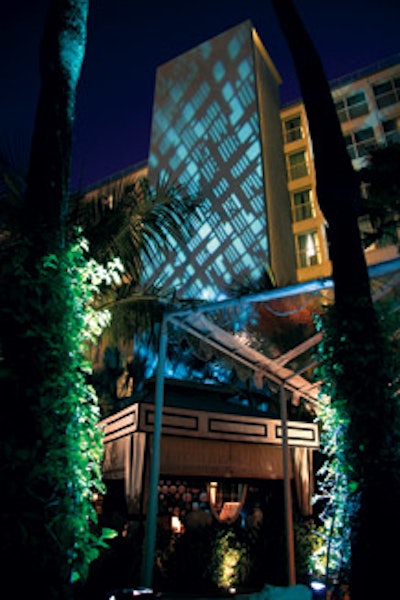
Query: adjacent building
point(368, 107)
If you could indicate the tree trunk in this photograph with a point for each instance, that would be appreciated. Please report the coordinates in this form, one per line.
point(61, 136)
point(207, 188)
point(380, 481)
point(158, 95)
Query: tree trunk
point(61, 56)
point(35, 561)
point(337, 184)
point(362, 379)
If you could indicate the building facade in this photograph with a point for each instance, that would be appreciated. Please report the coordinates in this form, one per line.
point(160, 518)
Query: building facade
point(219, 130)
point(368, 107)
point(216, 129)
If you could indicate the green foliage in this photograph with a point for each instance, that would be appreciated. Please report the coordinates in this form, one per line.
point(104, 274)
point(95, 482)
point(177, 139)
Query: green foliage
point(381, 203)
point(207, 559)
point(359, 420)
point(52, 448)
point(230, 559)
point(305, 548)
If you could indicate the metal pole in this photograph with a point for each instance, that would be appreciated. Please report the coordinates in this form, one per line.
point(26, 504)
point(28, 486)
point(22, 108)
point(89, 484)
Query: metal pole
point(152, 509)
point(287, 490)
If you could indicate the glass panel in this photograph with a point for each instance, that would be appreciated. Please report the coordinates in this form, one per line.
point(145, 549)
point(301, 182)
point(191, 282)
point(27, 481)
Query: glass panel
point(308, 252)
point(356, 99)
point(390, 131)
point(365, 141)
point(351, 107)
point(382, 88)
point(385, 92)
point(386, 100)
point(298, 165)
point(302, 206)
point(293, 129)
point(364, 134)
point(341, 111)
point(358, 110)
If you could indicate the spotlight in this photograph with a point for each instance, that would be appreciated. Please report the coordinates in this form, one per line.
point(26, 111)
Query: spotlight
point(125, 593)
point(318, 589)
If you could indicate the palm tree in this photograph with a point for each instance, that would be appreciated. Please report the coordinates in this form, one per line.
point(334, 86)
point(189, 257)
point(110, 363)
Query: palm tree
point(357, 355)
point(46, 508)
point(138, 223)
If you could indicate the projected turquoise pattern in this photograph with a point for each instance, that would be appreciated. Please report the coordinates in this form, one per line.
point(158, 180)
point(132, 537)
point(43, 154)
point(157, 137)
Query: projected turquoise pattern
point(206, 134)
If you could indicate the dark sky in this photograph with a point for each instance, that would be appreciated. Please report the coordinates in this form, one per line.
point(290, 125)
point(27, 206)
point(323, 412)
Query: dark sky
point(129, 39)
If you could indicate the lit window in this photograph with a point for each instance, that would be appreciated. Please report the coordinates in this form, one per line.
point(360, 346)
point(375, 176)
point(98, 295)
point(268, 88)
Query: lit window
point(226, 499)
point(302, 205)
point(176, 524)
point(307, 249)
point(297, 165)
point(292, 129)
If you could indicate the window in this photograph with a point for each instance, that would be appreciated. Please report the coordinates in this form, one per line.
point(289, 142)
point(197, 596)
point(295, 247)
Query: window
point(391, 131)
point(297, 165)
point(293, 129)
point(302, 205)
point(307, 249)
point(360, 143)
point(351, 107)
point(387, 92)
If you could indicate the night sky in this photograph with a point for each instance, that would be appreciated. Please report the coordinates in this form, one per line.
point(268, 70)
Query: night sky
point(129, 39)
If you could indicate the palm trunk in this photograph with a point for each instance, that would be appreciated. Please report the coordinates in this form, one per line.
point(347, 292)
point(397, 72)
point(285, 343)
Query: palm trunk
point(29, 547)
point(61, 56)
point(361, 383)
point(337, 186)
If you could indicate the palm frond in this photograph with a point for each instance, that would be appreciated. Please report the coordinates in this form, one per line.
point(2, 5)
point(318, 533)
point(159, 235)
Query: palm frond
point(136, 219)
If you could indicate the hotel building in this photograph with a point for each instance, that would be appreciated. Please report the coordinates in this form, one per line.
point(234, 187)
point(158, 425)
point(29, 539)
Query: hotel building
point(368, 107)
point(219, 130)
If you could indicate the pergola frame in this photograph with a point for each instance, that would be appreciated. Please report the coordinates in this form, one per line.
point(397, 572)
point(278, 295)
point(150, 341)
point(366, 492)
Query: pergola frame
point(195, 322)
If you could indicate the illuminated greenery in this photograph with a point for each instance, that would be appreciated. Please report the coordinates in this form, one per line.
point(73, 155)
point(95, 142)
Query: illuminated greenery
point(52, 448)
point(140, 223)
point(344, 474)
point(230, 559)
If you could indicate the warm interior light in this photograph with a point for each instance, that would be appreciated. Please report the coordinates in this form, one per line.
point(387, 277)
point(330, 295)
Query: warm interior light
point(213, 492)
point(226, 500)
point(176, 524)
point(311, 250)
point(229, 511)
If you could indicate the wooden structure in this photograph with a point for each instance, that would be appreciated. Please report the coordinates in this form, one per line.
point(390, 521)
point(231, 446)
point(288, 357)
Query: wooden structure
point(211, 444)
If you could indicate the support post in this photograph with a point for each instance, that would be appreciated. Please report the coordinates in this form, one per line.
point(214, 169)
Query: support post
point(152, 509)
point(287, 489)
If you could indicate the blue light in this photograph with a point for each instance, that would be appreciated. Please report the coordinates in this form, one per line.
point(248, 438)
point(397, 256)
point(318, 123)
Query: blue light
point(218, 71)
point(212, 146)
point(227, 91)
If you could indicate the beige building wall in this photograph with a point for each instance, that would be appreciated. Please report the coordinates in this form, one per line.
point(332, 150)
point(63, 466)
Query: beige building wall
point(282, 254)
point(368, 106)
